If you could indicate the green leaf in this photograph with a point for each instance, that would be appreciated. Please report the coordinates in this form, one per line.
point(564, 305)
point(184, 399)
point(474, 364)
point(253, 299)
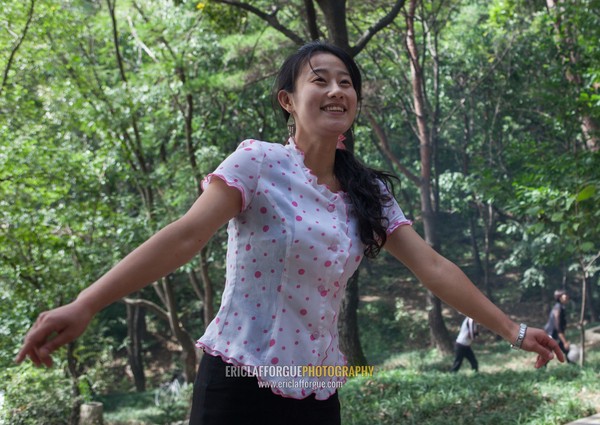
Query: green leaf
point(586, 193)
point(587, 246)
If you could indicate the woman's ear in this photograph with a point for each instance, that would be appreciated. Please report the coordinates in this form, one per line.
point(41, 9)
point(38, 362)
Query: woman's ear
point(285, 100)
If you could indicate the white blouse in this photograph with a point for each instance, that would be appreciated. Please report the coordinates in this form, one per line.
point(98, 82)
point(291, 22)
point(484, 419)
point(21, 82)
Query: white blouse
point(290, 252)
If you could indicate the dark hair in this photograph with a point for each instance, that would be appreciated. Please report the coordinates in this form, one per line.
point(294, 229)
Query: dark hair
point(361, 183)
point(559, 293)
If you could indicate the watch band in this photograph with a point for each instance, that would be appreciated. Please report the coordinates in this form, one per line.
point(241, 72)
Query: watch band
point(519, 341)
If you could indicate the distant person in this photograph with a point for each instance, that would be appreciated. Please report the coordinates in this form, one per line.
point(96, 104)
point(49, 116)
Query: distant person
point(557, 321)
point(301, 218)
point(462, 347)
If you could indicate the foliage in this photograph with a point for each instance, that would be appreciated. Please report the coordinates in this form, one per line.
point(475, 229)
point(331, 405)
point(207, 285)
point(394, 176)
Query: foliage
point(564, 229)
point(158, 406)
point(36, 393)
point(173, 401)
point(386, 327)
point(505, 394)
point(95, 157)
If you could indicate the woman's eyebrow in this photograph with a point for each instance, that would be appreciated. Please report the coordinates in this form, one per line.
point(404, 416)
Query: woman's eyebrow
point(318, 71)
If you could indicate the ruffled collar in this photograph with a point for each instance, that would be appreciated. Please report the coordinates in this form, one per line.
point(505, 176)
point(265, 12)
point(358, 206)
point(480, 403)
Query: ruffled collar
point(311, 177)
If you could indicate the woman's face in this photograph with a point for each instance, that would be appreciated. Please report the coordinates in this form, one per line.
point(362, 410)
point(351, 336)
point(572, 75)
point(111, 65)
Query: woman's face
point(564, 298)
point(324, 101)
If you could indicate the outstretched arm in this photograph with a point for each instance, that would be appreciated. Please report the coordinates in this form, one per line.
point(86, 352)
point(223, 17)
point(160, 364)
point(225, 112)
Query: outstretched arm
point(450, 284)
point(168, 249)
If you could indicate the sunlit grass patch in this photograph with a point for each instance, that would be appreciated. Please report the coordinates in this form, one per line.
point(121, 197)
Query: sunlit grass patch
point(413, 388)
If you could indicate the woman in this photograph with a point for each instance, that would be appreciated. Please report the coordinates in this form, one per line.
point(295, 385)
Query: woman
point(301, 217)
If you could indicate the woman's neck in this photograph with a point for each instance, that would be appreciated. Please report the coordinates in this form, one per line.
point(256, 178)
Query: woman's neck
point(319, 157)
point(319, 152)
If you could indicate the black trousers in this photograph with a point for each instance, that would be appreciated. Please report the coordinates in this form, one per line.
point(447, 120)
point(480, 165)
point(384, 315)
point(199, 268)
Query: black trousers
point(563, 349)
point(462, 351)
point(222, 400)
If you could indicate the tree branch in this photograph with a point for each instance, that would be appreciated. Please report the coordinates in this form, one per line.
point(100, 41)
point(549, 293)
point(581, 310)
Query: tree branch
point(113, 18)
point(149, 305)
point(385, 147)
point(139, 40)
point(378, 26)
point(271, 19)
point(13, 52)
point(588, 265)
point(311, 19)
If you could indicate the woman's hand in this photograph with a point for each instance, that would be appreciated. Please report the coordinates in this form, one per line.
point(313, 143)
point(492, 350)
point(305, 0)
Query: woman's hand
point(52, 330)
point(538, 341)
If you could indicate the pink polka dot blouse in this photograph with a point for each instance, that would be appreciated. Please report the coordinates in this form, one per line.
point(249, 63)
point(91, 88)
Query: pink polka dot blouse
point(290, 253)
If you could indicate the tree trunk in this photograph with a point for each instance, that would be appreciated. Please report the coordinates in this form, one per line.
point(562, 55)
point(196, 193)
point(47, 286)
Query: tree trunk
point(437, 328)
point(91, 414)
point(334, 12)
point(209, 309)
point(438, 331)
point(136, 328)
point(584, 285)
point(489, 226)
point(74, 372)
point(475, 210)
point(188, 345)
point(311, 20)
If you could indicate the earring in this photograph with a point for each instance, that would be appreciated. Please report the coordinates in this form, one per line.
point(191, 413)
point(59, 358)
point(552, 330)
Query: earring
point(291, 125)
point(340, 142)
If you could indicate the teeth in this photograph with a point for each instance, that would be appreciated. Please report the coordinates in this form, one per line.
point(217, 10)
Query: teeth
point(334, 108)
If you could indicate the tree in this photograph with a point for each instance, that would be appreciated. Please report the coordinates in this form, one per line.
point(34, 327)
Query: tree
point(93, 65)
point(570, 19)
point(423, 24)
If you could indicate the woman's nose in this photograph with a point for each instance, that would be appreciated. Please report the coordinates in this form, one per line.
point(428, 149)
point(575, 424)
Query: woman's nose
point(336, 90)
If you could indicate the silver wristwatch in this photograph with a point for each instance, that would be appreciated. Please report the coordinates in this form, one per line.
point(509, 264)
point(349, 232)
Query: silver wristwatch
point(520, 337)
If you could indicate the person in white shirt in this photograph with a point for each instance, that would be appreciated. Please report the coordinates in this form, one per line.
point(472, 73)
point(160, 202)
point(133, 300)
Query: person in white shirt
point(301, 217)
point(462, 347)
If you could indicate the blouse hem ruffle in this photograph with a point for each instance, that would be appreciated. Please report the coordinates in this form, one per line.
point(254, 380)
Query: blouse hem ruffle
point(268, 384)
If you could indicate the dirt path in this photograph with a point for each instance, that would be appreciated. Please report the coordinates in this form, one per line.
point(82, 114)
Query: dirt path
point(592, 337)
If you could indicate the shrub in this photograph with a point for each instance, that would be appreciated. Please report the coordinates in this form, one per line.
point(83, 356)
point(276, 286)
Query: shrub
point(34, 393)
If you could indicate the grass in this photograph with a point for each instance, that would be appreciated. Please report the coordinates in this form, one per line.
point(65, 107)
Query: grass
point(153, 407)
point(129, 407)
point(415, 388)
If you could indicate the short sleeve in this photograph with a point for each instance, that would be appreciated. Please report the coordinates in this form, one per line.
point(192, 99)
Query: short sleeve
point(392, 212)
point(241, 170)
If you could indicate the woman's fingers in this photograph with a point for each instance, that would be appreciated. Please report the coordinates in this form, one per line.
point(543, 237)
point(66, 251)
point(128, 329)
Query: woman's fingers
point(546, 347)
point(34, 342)
point(51, 330)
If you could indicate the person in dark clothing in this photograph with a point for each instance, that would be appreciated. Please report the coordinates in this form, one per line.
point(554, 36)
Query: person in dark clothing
point(557, 321)
point(462, 347)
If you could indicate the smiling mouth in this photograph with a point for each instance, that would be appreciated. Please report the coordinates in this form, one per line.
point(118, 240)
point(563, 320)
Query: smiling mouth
point(334, 109)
